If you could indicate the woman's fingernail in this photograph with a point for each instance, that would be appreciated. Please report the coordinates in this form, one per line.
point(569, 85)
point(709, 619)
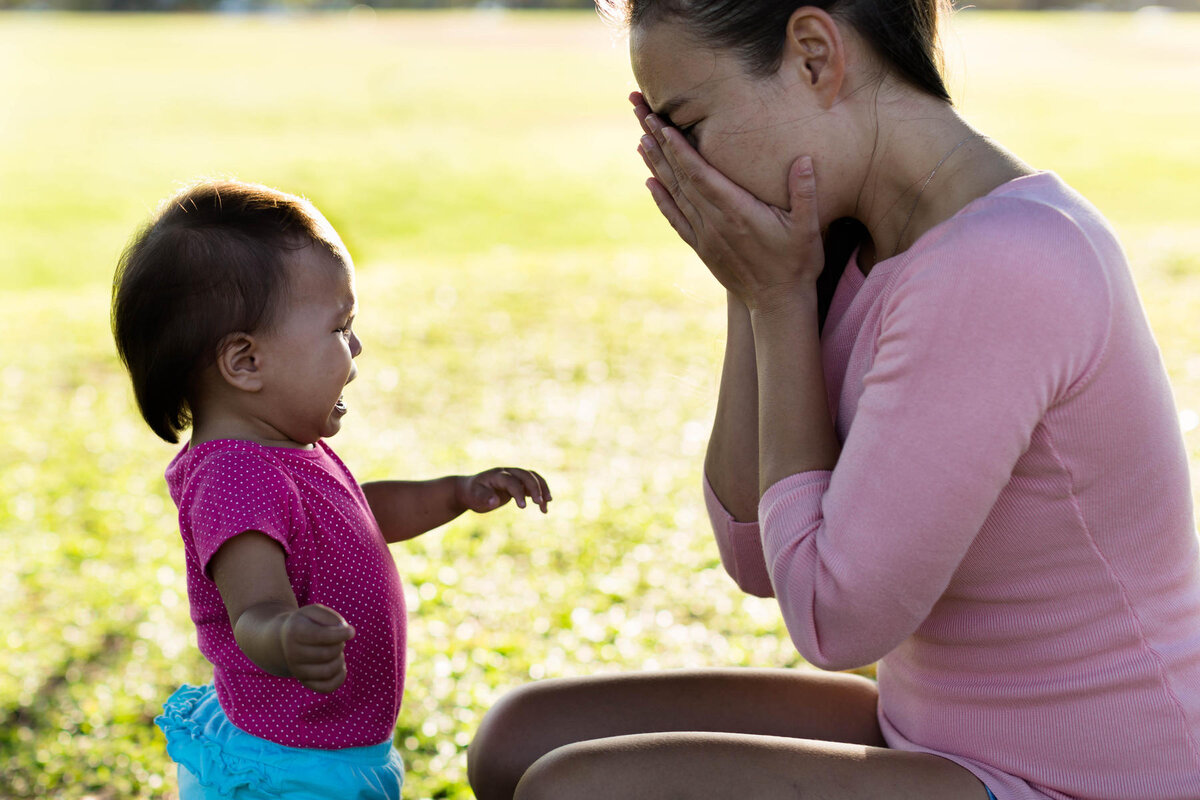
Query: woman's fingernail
point(805, 167)
point(652, 123)
point(648, 142)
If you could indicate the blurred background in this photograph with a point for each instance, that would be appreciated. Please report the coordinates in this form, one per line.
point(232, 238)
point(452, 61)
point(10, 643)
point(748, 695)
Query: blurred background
point(276, 5)
point(521, 303)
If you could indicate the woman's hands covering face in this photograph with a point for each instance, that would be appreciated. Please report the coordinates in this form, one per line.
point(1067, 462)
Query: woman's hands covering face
point(762, 254)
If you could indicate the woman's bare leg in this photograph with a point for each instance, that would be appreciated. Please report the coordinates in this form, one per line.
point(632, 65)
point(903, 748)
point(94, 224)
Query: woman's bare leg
point(722, 766)
point(538, 718)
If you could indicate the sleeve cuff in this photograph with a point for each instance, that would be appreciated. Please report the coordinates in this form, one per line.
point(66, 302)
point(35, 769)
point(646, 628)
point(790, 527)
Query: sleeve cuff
point(791, 504)
point(740, 546)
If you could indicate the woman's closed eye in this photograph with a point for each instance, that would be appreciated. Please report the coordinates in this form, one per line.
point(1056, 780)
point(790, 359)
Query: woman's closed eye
point(689, 132)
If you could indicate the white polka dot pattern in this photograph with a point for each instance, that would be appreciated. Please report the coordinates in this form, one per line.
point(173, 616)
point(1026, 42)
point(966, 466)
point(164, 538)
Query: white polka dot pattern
point(310, 503)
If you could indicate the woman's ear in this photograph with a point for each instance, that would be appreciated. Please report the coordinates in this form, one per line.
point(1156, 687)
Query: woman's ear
point(239, 362)
point(815, 50)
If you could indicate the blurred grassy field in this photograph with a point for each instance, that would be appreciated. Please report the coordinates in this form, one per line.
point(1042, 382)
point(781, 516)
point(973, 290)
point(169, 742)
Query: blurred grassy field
point(521, 303)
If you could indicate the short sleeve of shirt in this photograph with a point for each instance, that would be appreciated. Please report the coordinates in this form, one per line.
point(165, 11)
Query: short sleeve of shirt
point(233, 492)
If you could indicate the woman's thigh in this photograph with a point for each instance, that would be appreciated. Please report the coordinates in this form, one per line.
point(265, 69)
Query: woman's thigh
point(720, 766)
point(540, 717)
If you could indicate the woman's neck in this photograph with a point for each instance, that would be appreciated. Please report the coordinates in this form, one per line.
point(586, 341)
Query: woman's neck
point(927, 164)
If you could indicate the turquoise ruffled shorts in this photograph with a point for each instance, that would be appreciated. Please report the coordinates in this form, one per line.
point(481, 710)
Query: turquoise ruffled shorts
point(218, 760)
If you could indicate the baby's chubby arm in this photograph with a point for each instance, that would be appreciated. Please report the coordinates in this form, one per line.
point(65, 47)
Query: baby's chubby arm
point(405, 509)
point(268, 624)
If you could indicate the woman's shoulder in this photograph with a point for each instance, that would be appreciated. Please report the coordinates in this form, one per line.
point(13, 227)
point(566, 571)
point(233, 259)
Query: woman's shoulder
point(1023, 270)
point(1032, 221)
point(1033, 239)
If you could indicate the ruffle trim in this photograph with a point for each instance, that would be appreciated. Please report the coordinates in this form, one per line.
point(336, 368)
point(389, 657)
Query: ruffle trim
point(188, 745)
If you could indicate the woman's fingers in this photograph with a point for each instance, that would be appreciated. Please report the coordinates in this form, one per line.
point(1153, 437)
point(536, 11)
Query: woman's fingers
point(641, 112)
point(669, 195)
point(656, 160)
point(665, 187)
point(668, 208)
point(695, 181)
point(665, 197)
point(750, 246)
point(670, 146)
point(802, 189)
point(640, 108)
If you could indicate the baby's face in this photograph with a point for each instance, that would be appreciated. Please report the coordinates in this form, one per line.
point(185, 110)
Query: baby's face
point(308, 356)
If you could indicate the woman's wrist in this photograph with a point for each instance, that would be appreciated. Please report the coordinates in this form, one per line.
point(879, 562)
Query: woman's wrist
point(784, 300)
point(795, 428)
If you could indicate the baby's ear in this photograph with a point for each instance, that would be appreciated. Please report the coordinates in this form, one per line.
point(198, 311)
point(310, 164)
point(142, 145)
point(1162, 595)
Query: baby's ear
point(238, 362)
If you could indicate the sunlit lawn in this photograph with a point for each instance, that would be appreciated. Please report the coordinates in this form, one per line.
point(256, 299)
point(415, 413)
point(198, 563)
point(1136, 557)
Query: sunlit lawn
point(521, 303)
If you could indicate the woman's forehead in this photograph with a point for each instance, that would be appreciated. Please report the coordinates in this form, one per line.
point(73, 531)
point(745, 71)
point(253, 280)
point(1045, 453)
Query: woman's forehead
point(671, 66)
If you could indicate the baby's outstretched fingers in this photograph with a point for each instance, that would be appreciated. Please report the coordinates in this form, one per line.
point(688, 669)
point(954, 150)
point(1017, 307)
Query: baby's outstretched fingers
point(493, 488)
point(522, 483)
point(545, 487)
point(507, 481)
point(534, 485)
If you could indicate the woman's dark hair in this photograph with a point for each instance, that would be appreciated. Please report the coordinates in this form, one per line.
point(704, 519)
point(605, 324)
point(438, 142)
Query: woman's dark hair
point(902, 33)
point(212, 261)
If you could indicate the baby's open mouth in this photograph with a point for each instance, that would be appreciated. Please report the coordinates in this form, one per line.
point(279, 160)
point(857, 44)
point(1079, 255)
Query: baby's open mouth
point(340, 405)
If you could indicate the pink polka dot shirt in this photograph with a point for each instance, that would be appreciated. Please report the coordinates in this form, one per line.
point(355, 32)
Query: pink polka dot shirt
point(310, 503)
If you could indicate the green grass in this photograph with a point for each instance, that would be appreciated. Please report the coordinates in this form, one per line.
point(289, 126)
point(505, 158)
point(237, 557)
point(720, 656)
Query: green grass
point(521, 302)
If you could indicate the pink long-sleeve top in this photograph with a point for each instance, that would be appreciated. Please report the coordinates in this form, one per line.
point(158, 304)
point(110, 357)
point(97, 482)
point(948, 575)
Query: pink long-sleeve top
point(1009, 527)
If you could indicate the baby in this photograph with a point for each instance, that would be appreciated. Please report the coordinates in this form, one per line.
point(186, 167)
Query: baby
point(233, 311)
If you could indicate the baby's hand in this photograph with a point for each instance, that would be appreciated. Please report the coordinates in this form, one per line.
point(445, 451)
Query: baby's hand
point(492, 488)
point(313, 638)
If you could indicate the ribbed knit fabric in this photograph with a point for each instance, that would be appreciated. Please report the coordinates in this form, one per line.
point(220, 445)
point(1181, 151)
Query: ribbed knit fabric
point(1009, 528)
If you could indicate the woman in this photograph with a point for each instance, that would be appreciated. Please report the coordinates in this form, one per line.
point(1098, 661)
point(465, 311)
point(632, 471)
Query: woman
point(973, 474)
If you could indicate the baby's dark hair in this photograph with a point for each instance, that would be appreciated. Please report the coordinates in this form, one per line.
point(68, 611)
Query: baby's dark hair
point(211, 262)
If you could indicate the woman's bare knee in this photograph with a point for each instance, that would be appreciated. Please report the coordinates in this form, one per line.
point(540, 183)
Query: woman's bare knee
point(561, 773)
point(541, 717)
point(724, 766)
point(497, 757)
point(656, 766)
